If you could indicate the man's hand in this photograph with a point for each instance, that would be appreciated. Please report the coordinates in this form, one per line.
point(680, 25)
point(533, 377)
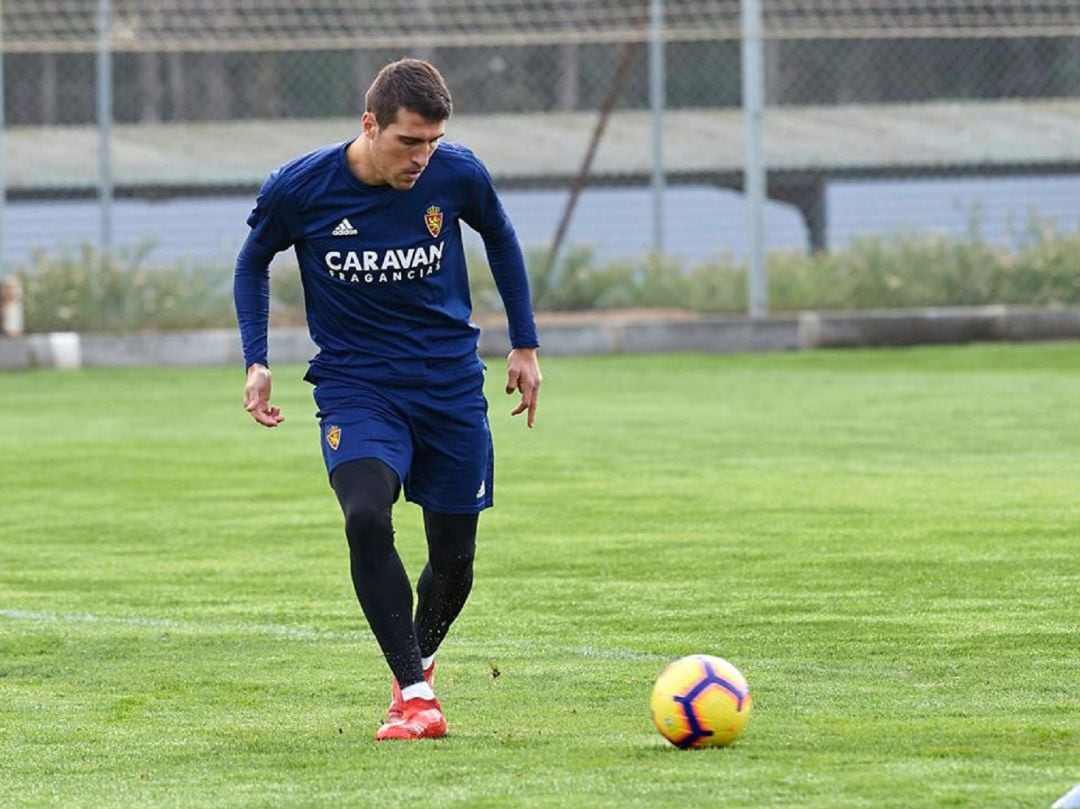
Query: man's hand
point(523, 374)
point(257, 397)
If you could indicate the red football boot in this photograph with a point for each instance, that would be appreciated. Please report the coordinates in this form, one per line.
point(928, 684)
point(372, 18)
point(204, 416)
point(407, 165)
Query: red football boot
point(420, 719)
point(396, 709)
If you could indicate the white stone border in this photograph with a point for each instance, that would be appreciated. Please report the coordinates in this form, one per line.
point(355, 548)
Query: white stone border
point(606, 334)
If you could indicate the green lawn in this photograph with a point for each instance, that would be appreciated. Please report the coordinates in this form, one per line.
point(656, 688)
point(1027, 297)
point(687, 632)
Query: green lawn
point(887, 543)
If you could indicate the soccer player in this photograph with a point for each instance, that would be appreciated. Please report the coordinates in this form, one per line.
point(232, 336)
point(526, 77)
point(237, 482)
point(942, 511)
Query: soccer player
point(375, 222)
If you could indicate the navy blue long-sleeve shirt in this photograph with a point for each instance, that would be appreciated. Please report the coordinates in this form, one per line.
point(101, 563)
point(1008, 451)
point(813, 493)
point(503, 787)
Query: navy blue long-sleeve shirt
point(385, 284)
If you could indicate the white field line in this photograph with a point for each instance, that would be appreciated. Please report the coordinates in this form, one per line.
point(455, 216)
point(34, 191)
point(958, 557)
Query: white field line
point(303, 633)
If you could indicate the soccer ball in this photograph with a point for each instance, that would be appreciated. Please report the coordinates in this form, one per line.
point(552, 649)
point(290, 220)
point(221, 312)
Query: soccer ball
point(700, 701)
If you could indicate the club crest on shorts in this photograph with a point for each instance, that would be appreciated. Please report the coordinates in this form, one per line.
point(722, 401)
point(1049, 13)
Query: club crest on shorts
point(333, 436)
point(433, 220)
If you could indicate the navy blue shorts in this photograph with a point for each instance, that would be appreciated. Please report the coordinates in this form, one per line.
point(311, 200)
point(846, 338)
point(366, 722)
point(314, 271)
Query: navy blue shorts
point(436, 438)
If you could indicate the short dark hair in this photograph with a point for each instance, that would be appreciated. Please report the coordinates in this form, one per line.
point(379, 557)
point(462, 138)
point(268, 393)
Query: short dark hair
point(413, 84)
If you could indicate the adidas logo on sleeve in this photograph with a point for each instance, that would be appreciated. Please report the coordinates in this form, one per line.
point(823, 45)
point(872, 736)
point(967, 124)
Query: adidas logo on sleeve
point(344, 228)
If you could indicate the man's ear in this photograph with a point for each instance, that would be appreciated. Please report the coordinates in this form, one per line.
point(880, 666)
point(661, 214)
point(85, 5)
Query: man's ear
point(370, 125)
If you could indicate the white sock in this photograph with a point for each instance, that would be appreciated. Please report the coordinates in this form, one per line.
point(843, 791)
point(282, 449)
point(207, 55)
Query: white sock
point(427, 661)
point(421, 689)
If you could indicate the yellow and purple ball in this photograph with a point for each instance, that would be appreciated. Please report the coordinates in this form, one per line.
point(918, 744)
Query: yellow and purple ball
point(700, 701)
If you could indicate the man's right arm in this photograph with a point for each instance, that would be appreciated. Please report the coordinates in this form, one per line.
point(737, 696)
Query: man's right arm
point(251, 295)
point(271, 232)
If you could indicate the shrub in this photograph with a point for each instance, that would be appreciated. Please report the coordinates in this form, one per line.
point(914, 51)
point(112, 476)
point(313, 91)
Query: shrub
point(85, 291)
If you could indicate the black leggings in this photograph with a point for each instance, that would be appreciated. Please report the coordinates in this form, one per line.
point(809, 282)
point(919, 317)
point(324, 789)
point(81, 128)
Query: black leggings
point(367, 490)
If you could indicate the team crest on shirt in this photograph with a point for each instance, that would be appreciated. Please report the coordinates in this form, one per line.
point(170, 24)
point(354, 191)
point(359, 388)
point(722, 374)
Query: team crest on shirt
point(333, 436)
point(433, 220)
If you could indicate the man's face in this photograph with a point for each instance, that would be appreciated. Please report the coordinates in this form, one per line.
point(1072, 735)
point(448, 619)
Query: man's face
point(400, 152)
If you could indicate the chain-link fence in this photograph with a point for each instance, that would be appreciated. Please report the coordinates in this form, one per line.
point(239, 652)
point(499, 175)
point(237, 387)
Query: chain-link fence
point(884, 118)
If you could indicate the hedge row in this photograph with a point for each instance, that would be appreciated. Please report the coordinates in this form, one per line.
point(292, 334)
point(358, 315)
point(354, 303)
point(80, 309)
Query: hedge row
point(88, 292)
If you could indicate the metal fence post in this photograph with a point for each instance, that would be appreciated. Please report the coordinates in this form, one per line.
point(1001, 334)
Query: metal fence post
point(753, 89)
point(3, 122)
point(104, 121)
point(657, 100)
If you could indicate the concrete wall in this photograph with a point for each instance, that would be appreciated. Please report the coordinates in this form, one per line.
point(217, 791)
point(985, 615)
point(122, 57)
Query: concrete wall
point(590, 335)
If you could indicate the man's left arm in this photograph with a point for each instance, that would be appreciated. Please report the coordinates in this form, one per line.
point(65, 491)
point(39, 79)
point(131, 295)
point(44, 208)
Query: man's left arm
point(507, 264)
point(523, 366)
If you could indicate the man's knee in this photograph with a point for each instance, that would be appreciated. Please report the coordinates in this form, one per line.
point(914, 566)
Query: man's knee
point(366, 490)
point(456, 563)
point(451, 542)
point(367, 524)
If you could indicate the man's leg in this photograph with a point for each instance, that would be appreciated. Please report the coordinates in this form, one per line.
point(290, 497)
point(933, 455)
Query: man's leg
point(367, 489)
point(447, 578)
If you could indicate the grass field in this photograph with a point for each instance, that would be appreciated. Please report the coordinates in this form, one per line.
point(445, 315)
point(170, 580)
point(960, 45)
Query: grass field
point(886, 543)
